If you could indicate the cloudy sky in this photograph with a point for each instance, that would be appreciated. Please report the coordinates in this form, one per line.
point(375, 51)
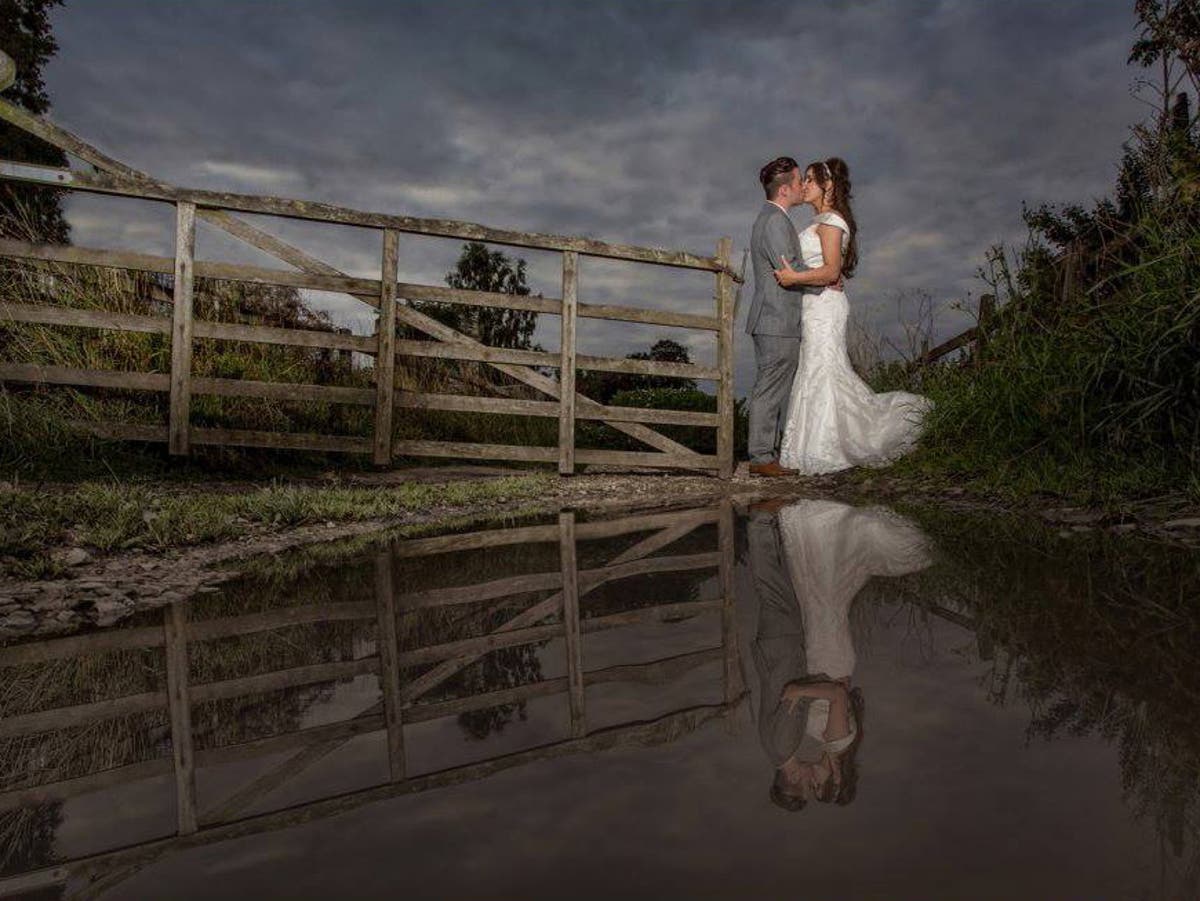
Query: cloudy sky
point(627, 120)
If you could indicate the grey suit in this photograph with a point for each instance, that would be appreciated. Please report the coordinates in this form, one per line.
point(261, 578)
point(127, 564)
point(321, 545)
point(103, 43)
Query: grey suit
point(778, 648)
point(774, 322)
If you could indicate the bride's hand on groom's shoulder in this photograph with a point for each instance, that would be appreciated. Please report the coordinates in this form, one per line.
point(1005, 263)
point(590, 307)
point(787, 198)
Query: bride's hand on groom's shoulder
point(786, 275)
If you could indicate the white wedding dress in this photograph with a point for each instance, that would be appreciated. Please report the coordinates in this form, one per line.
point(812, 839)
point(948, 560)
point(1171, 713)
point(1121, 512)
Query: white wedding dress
point(834, 419)
point(832, 550)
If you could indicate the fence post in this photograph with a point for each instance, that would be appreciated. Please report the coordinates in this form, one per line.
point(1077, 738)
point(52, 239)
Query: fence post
point(389, 664)
point(385, 356)
point(725, 361)
point(727, 550)
point(987, 310)
point(566, 371)
point(570, 611)
point(180, 710)
point(178, 433)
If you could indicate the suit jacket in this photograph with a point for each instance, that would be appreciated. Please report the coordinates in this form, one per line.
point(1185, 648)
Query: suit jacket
point(774, 310)
point(778, 648)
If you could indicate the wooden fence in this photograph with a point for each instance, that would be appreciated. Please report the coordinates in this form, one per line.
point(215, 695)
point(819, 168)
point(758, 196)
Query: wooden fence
point(401, 702)
point(387, 295)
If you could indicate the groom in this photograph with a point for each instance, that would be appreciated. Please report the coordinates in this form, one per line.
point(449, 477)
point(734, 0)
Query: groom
point(774, 318)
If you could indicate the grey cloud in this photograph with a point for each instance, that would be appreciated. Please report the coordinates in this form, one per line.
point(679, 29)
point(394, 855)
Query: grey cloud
point(634, 122)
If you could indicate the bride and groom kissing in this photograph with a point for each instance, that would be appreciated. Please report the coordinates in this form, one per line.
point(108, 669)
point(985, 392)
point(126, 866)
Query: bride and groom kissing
point(810, 413)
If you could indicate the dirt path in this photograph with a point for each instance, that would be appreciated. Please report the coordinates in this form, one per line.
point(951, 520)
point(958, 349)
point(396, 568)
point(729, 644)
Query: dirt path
point(102, 590)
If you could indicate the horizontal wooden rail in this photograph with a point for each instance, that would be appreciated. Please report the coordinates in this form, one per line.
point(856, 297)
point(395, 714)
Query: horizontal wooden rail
point(461, 403)
point(150, 189)
point(46, 314)
point(87, 378)
point(144, 262)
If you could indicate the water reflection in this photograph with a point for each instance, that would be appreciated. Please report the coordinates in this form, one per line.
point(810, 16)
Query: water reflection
point(809, 561)
point(931, 654)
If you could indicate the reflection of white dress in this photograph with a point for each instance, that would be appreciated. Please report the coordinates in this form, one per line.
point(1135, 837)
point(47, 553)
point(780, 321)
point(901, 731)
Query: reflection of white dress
point(832, 550)
point(834, 419)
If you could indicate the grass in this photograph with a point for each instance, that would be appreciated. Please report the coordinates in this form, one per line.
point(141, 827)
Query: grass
point(113, 516)
point(1087, 389)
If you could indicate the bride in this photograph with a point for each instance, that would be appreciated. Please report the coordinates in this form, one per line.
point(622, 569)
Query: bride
point(834, 420)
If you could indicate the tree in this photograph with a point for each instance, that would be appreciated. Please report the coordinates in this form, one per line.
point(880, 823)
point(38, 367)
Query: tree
point(480, 269)
point(601, 386)
point(30, 212)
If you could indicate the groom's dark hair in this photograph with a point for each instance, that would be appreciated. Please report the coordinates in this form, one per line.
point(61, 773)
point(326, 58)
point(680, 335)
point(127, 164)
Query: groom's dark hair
point(775, 174)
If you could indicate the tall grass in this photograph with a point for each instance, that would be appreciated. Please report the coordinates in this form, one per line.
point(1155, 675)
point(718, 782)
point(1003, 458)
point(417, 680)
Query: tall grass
point(1088, 387)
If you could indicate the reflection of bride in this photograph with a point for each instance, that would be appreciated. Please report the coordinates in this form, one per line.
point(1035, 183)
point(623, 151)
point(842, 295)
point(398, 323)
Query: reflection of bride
point(811, 715)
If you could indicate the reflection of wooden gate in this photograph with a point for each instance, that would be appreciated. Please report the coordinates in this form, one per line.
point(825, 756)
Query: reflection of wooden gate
point(555, 616)
point(387, 296)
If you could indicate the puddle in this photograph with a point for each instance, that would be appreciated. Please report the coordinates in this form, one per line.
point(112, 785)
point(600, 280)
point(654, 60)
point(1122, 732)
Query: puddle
point(809, 698)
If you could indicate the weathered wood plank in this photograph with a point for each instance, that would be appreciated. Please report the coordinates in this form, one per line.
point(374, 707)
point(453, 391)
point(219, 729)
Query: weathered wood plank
point(638, 458)
point(466, 451)
point(385, 360)
point(591, 578)
point(440, 544)
point(213, 269)
point(78, 645)
point(647, 367)
point(658, 541)
point(725, 406)
point(328, 394)
point(150, 189)
point(264, 334)
point(285, 678)
point(92, 378)
point(284, 617)
point(80, 714)
point(283, 440)
point(181, 330)
point(481, 591)
point(570, 617)
point(477, 352)
point(439, 294)
point(461, 403)
point(649, 317)
point(180, 710)
point(608, 528)
point(47, 314)
point(566, 371)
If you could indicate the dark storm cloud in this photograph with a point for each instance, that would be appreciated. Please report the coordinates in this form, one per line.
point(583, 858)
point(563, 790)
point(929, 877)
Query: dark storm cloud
point(631, 121)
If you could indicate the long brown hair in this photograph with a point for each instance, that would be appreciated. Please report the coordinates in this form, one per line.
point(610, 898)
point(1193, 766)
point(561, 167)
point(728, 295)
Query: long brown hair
point(835, 169)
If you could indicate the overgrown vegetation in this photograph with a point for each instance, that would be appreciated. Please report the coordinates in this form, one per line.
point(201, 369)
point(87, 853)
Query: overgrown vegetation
point(1088, 383)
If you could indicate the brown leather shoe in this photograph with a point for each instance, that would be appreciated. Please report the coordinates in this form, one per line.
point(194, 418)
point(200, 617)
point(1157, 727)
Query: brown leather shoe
point(770, 469)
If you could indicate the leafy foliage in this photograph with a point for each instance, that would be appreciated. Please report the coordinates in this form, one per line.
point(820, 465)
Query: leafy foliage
point(25, 35)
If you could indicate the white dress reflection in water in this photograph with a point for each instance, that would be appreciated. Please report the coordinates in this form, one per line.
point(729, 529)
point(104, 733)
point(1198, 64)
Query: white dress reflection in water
point(834, 420)
point(832, 550)
point(808, 563)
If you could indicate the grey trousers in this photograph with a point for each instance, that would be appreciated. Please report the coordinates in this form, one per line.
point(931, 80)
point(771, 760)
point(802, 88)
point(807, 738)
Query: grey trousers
point(775, 360)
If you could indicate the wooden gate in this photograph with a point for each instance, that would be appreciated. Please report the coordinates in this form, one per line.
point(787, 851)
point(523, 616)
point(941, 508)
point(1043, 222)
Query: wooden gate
point(388, 296)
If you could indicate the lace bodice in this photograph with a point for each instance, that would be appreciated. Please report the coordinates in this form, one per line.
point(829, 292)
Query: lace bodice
point(810, 241)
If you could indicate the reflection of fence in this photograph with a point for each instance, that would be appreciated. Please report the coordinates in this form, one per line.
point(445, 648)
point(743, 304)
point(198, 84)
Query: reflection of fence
point(388, 297)
point(554, 616)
